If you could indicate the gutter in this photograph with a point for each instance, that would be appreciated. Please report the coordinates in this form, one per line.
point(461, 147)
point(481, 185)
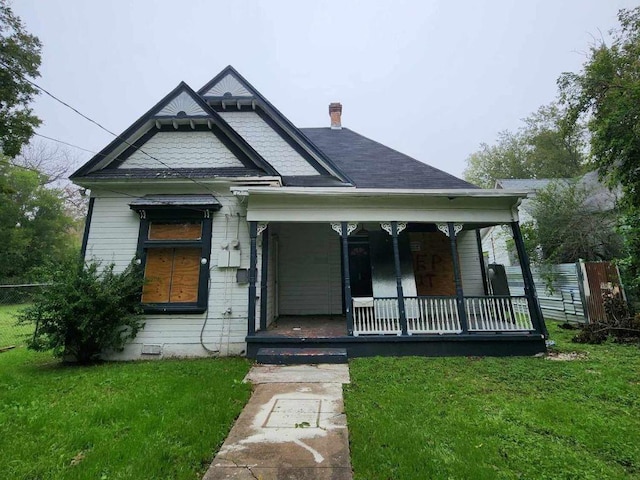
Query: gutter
point(452, 194)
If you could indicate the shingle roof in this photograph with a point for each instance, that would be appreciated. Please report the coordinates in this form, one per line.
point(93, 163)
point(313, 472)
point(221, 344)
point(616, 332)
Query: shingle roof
point(372, 165)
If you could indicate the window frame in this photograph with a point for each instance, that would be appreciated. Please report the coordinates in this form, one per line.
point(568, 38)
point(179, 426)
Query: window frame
point(178, 215)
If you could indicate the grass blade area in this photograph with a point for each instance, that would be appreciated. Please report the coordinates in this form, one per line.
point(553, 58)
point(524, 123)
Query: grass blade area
point(497, 418)
point(134, 420)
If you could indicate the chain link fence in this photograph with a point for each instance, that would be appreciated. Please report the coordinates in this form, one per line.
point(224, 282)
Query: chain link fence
point(12, 299)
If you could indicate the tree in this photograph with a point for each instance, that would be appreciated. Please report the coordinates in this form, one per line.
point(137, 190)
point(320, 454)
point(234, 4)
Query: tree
point(607, 94)
point(34, 226)
point(55, 162)
point(567, 226)
point(539, 149)
point(19, 59)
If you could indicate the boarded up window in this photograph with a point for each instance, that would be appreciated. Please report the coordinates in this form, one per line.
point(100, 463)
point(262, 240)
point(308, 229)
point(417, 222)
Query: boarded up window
point(175, 231)
point(432, 264)
point(172, 275)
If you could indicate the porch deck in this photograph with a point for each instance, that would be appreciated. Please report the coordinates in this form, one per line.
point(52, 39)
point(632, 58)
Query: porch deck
point(308, 326)
point(319, 331)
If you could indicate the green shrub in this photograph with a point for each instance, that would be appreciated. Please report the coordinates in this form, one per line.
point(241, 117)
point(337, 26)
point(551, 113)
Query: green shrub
point(86, 311)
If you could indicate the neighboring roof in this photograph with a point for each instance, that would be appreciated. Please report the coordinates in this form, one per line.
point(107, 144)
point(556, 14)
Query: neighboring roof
point(530, 184)
point(598, 195)
point(373, 165)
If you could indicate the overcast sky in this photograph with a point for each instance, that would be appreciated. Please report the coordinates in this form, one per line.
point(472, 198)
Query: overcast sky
point(431, 78)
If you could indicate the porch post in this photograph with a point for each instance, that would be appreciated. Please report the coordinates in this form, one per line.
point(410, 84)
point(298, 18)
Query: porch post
point(264, 278)
point(483, 267)
point(462, 311)
point(253, 267)
point(529, 286)
point(396, 258)
point(348, 303)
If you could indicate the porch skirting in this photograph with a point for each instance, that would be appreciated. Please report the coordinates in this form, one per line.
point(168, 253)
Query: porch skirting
point(495, 345)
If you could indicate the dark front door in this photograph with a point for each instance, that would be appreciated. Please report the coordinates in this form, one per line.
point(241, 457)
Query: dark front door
point(360, 268)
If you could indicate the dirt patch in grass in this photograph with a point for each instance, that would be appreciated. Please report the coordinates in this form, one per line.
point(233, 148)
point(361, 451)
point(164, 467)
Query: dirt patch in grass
point(566, 356)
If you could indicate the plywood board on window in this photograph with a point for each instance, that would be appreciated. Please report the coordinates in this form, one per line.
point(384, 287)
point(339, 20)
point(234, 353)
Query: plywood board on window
point(432, 263)
point(157, 274)
point(186, 274)
point(175, 231)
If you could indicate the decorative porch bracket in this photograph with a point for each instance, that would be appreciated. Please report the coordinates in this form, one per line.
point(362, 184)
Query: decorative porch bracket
point(452, 231)
point(387, 227)
point(340, 227)
point(253, 273)
point(263, 227)
point(529, 287)
point(344, 229)
point(444, 228)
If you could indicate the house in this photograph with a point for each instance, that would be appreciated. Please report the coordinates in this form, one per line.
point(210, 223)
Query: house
point(497, 244)
point(255, 234)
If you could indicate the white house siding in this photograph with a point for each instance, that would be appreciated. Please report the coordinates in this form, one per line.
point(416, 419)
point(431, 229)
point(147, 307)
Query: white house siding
point(309, 269)
point(113, 237)
point(183, 150)
point(268, 143)
point(470, 268)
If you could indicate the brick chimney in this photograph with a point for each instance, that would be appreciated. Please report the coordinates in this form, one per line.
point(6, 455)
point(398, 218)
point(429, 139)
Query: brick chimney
point(335, 112)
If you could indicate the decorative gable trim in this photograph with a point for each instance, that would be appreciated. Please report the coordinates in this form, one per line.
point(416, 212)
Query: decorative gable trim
point(183, 105)
point(226, 86)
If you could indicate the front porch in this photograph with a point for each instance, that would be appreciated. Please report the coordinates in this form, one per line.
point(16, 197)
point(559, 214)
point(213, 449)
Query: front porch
point(386, 287)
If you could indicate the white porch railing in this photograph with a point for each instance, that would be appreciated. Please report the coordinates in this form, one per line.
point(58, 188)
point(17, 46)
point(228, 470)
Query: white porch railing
point(432, 315)
point(498, 314)
point(376, 316)
point(439, 315)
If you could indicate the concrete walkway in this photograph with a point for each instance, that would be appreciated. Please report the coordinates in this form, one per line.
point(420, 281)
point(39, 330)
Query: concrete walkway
point(293, 427)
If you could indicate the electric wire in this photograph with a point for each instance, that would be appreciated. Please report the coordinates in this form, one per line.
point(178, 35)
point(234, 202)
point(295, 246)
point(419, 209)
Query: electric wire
point(123, 140)
point(68, 144)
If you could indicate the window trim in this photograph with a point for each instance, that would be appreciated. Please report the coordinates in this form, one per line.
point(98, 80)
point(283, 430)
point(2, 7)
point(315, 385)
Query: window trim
point(178, 215)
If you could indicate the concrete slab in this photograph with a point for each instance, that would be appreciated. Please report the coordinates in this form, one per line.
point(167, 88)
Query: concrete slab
point(287, 431)
point(321, 373)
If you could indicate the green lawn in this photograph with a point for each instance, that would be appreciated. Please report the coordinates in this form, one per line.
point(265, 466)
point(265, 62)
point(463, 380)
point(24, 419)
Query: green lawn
point(129, 420)
point(10, 333)
point(497, 418)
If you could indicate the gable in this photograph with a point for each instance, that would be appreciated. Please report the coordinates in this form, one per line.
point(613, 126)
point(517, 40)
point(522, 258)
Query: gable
point(180, 132)
point(269, 143)
point(183, 149)
point(272, 134)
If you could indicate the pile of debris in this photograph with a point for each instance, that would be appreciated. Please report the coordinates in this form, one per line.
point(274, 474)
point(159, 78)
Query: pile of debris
point(619, 324)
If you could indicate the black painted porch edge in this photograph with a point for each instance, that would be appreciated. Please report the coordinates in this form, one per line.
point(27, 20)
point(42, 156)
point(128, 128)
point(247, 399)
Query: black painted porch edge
point(500, 345)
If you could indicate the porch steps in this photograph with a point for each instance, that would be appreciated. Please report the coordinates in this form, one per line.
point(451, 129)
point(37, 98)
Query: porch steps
point(298, 356)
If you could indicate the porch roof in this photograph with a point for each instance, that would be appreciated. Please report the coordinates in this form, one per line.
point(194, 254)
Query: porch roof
point(307, 204)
